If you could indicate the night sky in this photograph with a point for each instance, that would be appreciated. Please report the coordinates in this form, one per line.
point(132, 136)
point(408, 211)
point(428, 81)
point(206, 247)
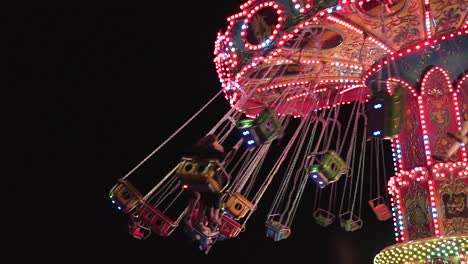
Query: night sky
point(106, 87)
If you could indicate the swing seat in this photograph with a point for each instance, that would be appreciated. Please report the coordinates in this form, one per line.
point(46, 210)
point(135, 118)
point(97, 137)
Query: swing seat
point(137, 229)
point(125, 196)
point(277, 231)
point(268, 125)
point(228, 227)
point(380, 209)
point(202, 241)
point(396, 112)
point(200, 175)
point(238, 206)
point(317, 176)
point(329, 170)
point(159, 223)
point(265, 128)
point(248, 133)
point(350, 222)
point(385, 113)
point(323, 218)
point(332, 165)
point(376, 115)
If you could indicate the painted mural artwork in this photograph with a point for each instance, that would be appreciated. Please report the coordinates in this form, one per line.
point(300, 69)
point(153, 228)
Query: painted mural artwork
point(416, 200)
point(455, 207)
point(441, 112)
point(413, 143)
point(440, 118)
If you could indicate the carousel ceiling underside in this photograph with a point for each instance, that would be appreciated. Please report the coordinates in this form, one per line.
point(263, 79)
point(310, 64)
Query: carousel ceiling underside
point(303, 55)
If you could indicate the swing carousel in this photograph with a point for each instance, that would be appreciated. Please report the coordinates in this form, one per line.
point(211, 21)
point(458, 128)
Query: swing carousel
point(325, 97)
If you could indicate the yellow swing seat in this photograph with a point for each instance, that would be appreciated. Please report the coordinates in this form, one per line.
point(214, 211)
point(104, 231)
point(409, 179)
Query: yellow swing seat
point(237, 205)
point(125, 195)
point(201, 175)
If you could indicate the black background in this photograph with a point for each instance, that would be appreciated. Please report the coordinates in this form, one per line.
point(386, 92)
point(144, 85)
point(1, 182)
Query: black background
point(100, 89)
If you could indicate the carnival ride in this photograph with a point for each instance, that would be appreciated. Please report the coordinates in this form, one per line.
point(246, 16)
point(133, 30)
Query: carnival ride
point(348, 80)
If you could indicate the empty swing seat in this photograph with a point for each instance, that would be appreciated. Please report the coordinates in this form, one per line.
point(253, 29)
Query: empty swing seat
point(249, 133)
point(397, 114)
point(237, 205)
point(350, 222)
point(277, 231)
point(201, 175)
point(268, 125)
point(265, 128)
point(380, 209)
point(323, 218)
point(228, 227)
point(125, 196)
point(159, 223)
point(329, 170)
point(332, 165)
point(385, 113)
point(317, 176)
